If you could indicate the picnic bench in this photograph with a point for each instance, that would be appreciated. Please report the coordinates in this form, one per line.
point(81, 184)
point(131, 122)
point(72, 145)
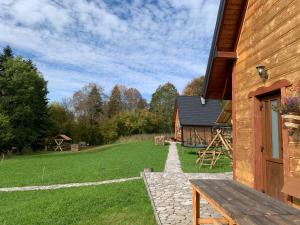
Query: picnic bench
point(239, 204)
point(59, 140)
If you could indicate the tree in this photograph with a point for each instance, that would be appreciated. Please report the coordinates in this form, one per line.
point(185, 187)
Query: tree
point(194, 87)
point(7, 54)
point(162, 104)
point(135, 122)
point(115, 104)
point(142, 104)
point(87, 102)
point(62, 120)
point(134, 99)
point(94, 104)
point(24, 99)
point(5, 133)
point(88, 108)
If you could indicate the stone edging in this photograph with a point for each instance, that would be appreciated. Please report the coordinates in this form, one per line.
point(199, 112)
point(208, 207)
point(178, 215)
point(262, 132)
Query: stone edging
point(69, 185)
point(151, 199)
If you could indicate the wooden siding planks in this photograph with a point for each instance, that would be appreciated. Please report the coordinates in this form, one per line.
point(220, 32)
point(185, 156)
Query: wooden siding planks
point(271, 35)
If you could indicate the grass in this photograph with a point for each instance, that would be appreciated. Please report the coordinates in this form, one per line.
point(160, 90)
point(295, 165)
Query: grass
point(188, 157)
point(103, 163)
point(119, 204)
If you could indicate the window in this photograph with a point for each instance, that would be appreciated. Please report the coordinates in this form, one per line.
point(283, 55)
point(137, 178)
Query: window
point(275, 130)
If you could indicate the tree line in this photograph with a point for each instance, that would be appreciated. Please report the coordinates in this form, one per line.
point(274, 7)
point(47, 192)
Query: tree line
point(29, 120)
point(91, 116)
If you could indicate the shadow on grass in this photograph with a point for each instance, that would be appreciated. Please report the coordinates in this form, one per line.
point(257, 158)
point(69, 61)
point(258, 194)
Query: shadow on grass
point(188, 157)
point(192, 153)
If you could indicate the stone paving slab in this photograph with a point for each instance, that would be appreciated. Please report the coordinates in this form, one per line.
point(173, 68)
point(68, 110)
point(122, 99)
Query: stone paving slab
point(172, 196)
point(173, 162)
point(170, 192)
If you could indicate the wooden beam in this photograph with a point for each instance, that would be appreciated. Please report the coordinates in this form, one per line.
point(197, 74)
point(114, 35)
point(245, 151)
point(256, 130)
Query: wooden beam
point(275, 86)
point(212, 221)
point(196, 206)
point(226, 55)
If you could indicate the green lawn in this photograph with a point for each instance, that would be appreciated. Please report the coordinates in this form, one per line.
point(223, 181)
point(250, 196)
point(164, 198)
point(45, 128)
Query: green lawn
point(188, 157)
point(104, 163)
point(119, 204)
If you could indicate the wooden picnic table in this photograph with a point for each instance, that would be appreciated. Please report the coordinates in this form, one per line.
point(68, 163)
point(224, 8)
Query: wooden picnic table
point(239, 204)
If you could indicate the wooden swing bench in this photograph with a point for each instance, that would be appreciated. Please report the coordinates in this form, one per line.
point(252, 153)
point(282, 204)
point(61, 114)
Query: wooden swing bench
point(220, 145)
point(240, 205)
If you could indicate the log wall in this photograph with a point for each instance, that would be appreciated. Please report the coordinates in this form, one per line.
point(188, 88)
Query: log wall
point(189, 134)
point(270, 36)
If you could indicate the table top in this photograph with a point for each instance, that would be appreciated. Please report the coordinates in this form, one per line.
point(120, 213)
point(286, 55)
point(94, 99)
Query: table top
point(245, 205)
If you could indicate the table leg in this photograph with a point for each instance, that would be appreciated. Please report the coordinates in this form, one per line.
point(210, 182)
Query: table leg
point(196, 206)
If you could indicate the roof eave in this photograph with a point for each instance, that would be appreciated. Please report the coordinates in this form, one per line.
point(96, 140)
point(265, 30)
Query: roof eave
point(213, 46)
point(198, 125)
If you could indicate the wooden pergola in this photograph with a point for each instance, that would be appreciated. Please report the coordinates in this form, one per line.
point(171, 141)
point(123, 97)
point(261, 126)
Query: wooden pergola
point(59, 139)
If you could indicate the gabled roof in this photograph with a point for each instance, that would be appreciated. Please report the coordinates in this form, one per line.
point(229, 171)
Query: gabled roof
point(223, 50)
point(64, 137)
point(192, 112)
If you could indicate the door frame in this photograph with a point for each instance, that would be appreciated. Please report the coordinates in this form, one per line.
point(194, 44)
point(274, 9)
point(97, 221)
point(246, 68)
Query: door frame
point(266, 152)
point(256, 135)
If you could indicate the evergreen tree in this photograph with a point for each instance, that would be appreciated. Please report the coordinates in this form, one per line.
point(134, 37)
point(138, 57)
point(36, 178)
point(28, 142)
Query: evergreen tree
point(94, 104)
point(88, 108)
point(115, 104)
point(23, 99)
point(6, 54)
point(5, 133)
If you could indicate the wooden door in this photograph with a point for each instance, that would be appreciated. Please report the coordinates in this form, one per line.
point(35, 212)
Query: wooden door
point(272, 148)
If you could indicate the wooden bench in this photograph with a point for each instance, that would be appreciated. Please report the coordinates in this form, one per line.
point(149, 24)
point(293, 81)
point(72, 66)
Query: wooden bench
point(239, 204)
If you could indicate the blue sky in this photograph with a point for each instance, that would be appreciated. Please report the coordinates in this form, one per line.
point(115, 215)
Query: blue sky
point(137, 43)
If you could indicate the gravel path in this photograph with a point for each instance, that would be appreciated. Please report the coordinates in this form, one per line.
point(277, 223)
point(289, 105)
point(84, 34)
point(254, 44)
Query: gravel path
point(170, 192)
point(70, 185)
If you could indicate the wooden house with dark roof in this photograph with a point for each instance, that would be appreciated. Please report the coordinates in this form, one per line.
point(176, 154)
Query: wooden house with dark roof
point(255, 62)
point(194, 119)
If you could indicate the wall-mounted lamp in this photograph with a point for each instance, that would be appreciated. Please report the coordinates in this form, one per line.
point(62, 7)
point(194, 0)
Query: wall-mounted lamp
point(261, 70)
point(202, 100)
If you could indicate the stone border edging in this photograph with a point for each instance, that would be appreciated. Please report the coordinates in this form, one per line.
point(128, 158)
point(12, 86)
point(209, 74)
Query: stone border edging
point(69, 185)
point(151, 199)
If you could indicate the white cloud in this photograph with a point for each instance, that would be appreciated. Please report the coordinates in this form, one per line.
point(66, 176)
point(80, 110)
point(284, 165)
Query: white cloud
point(139, 44)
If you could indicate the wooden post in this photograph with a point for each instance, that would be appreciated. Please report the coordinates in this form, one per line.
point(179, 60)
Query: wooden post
point(196, 206)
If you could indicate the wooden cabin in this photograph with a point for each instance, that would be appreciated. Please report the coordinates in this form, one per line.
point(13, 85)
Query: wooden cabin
point(249, 34)
point(194, 120)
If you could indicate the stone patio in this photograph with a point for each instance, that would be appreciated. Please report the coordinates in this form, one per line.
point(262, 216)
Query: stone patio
point(170, 192)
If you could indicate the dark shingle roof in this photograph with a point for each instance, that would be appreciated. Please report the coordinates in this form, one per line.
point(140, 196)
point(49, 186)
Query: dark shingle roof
point(193, 112)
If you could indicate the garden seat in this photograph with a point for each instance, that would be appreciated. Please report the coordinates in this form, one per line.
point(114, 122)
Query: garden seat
point(239, 204)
